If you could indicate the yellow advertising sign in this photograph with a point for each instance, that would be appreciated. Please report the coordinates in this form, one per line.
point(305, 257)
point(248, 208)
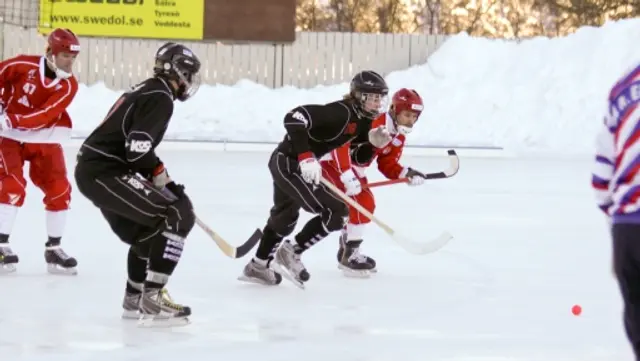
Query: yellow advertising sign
point(158, 19)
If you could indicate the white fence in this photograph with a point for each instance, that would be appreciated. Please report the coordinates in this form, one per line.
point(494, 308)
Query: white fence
point(313, 59)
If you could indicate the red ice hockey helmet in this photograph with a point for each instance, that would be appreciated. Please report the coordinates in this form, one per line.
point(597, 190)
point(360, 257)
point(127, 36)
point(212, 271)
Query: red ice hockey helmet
point(63, 40)
point(406, 99)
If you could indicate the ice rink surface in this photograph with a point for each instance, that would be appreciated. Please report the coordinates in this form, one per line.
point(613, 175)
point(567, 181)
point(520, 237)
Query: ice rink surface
point(529, 243)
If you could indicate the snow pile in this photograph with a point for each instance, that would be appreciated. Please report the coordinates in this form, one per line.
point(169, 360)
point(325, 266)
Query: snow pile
point(539, 94)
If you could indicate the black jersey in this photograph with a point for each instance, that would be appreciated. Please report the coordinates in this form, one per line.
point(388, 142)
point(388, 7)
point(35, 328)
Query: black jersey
point(135, 125)
point(319, 129)
point(362, 152)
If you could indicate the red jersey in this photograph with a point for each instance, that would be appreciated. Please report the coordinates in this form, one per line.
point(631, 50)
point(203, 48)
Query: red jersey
point(387, 158)
point(34, 104)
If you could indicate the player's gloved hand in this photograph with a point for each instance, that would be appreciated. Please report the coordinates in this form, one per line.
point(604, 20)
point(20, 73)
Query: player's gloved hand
point(176, 189)
point(310, 168)
point(160, 177)
point(415, 177)
point(379, 137)
point(351, 183)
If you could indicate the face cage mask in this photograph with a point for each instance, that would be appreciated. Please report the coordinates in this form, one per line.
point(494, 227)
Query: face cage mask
point(188, 87)
point(364, 97)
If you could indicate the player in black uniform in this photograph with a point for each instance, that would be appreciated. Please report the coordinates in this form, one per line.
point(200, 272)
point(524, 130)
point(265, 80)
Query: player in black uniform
point(312, 131)
point(118, 171)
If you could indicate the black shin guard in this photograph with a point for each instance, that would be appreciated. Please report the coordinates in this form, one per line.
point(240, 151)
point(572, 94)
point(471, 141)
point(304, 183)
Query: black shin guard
point(268, 244)
point(312, 233)
point(164, 256)
point(136, 271)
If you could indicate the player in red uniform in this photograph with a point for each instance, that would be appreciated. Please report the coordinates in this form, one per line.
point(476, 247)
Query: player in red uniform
point(347, 164)
point(36, 91)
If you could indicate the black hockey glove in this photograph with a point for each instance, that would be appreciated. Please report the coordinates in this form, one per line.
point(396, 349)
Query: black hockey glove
point(176, 189)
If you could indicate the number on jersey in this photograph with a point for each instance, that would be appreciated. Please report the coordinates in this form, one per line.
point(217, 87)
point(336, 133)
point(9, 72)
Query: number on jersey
point(28, 89)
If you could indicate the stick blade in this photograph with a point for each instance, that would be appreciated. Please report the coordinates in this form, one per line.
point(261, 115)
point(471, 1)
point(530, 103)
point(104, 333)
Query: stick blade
point(454, 166)
point(454, 163)
point(248, 245)
point(431, 246)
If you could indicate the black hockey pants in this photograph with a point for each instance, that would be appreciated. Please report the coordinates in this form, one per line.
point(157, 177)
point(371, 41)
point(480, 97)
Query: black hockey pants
point(154, 224)
point(290, 194)
point(626, 264)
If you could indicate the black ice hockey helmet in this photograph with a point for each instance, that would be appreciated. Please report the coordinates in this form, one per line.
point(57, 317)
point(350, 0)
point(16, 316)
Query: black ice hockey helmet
point(177, 62)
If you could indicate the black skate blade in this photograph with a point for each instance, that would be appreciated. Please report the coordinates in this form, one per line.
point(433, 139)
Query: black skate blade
point(286, 275)
point(247, 246)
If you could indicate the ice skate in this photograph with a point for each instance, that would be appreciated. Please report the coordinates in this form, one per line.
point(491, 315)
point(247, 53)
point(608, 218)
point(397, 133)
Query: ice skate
point(343, 240)
point(352, 262)
point(157, 309)
point(8, 259)
point(288, 264)
point(59, 262)
point(131, 304)
point(254, 272)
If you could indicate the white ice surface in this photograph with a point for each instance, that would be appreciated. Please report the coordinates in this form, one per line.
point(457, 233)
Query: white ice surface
point(529, 244)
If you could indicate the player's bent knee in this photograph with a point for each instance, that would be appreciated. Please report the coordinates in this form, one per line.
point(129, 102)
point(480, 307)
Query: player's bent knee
point(334, 217)
point(142, 249)
point(284, 230)
point(179, 217)
point(284, 225)
point(57, 195)
point(187, 222)
point(356, 217)
point(333, 221)
point(371, 206)
point(366, 200)
point(12, 191)
point(342, 209)
point(289, 228)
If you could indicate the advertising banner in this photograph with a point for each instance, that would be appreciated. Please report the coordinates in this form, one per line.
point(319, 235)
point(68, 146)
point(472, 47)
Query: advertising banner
point(263, 21)
point(156, 19)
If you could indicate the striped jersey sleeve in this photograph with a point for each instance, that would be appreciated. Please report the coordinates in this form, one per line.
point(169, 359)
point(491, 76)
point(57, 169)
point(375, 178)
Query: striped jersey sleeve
point(603, 168)
point(615, 176)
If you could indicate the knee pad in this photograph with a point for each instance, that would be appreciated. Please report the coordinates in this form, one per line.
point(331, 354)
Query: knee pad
point(141, 249)
point(335, 218)
point(12, 190)
point(57, 195)
point(283, 224)
point(356, 217)
point(366, 200)
point(180, 218)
